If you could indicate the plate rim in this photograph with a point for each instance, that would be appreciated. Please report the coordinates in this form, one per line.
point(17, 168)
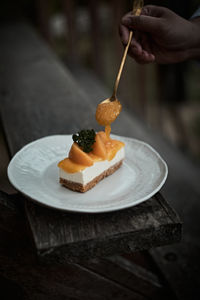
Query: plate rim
point(87, 211)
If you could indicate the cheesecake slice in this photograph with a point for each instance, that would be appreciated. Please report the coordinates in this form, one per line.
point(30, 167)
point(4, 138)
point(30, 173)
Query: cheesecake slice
point(81, 170)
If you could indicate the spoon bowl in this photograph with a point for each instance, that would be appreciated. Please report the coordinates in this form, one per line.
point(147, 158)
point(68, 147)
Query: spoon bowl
point(111, 99)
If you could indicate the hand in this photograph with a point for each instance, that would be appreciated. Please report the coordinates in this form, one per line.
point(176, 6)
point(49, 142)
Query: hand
point(160, 35)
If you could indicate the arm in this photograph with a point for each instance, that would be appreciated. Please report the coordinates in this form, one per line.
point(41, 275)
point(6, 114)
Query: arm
point(162, 36)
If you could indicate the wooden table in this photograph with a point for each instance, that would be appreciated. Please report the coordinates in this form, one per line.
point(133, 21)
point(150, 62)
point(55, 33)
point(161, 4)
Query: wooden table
point(40, 97)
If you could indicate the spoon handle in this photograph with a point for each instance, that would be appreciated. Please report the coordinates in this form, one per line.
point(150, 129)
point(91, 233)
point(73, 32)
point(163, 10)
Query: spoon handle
point(137, 7)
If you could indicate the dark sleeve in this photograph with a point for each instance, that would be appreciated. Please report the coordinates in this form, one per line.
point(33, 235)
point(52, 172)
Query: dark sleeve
point(196, 13)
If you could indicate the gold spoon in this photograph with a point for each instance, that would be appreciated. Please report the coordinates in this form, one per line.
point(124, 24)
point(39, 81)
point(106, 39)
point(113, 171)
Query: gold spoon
point(108, 110)
point(137, 7)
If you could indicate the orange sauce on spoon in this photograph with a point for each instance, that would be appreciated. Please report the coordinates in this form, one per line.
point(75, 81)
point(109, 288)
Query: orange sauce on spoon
point(106, 113)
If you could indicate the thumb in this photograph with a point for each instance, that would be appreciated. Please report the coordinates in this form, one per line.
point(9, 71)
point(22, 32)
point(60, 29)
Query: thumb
point(142, 23)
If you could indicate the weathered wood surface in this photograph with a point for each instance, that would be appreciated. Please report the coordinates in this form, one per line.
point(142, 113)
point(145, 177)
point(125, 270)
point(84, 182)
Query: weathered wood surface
point(23, 277)
point(9, 212)
point(63, 237)
point(19, 265)
point(95, 280)
point(130, 275)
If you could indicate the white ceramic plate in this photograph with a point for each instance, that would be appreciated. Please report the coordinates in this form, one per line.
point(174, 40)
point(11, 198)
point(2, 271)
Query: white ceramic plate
point(33, 171)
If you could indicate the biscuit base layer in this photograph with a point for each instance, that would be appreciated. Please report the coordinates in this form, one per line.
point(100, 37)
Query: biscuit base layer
point(74, 186)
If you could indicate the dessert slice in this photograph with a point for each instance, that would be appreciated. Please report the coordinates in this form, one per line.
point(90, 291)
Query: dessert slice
point(91, 158)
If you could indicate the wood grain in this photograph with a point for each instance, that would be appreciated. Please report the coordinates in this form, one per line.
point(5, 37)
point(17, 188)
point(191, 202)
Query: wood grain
point(11, 213)
point(62, 237)
point(129, 274)
point(23, 277)
point(20, 267)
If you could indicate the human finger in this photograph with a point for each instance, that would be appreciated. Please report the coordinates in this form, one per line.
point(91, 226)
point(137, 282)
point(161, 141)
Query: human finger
point(154, 11)
point(143, 58)
point(145, 43)
point(143, 23)
point(124, 34)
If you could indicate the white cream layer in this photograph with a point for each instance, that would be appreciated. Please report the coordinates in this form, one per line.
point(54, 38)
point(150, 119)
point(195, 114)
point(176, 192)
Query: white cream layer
point(89, 173)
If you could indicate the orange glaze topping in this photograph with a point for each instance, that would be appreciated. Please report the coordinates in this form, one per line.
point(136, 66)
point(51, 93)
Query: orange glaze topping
point(104, 148)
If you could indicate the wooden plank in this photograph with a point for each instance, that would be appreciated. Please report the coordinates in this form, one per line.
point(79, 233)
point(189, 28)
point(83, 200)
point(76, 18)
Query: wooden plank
point(11, 289)
point(180, 263)
point(31, 280)
point(131, 275)
point(180, 266)
point(8, 202)
point(11, 216)
point(18, 265)
point(62, 237)
point(4, 160)
point(35, 281)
